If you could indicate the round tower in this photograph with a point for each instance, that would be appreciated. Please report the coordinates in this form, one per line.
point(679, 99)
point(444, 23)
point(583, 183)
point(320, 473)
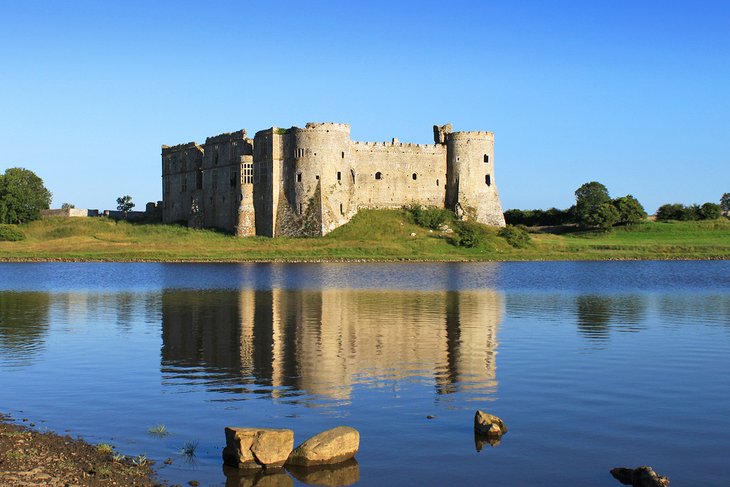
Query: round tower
point(471, 190)
point(321, 175)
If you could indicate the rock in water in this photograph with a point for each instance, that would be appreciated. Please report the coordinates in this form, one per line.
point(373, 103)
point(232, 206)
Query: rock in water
point(488, 424)
point(257, 447)
point(639, 477)
point(337, 475)
point(331, 446)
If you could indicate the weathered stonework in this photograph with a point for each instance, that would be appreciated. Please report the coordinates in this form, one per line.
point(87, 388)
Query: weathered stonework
point(311, 180)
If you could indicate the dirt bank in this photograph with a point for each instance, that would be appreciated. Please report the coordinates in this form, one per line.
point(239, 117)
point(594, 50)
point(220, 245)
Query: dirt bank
point(31, 458)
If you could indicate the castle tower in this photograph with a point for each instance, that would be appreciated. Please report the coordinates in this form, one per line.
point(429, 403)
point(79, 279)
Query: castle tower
point(471, 190)
point(317, 176)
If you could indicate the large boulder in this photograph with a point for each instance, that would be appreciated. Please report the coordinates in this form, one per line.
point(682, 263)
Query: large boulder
point(257, 447)
point(644, 476)
point(488, 424)
point(331, 446)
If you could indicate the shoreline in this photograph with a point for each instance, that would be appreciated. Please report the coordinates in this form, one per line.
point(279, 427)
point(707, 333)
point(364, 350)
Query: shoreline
point(30, 457)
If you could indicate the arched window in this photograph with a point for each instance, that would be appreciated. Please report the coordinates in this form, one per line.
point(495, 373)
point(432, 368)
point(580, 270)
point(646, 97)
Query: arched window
point(378, 175)
point(488, 180)
point(415, 176)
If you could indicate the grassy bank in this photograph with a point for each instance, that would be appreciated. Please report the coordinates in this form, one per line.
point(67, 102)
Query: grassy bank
point(371, 235)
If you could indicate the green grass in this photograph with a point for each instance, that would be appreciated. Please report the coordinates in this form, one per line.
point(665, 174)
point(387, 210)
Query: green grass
point(373, 235)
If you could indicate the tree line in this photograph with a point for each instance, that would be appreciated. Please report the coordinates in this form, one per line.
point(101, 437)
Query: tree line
point(595, 209)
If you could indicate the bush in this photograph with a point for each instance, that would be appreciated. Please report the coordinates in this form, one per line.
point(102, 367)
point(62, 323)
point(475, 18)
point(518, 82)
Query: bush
point(10, 233)
point(469, 234)
point(710, 211)
point(516, 236)
point(677, 211)
point(531, 218)
point(430, 217)
point(629, 209)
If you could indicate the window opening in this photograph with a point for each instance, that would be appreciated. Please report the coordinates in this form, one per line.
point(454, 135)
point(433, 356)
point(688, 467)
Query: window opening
point(341, 210)
point(316, 177)
point(343, 155)
point(486, 158)
point(300, 208)
point(488, 180)
point(339, 176)
point(299, 177)
point(378, 175)
point(437, 182)
point(415, 176)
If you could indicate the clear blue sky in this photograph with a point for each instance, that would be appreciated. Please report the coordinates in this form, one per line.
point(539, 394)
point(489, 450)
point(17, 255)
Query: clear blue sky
point(634, 94)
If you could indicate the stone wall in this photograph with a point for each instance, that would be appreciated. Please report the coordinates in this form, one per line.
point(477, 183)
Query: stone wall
point(69, 213)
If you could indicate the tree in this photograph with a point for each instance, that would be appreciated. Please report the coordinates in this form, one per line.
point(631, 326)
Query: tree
point(588, 199)
point(124, 204)
point(67, 206)
point(725, 203)
point(670, 211)
point(710, 211)
point(629, 209)
point(603, 217)
point(22, 196)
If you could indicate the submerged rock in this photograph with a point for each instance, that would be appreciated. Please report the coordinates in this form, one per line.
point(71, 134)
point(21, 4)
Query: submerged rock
point(256, 478)
point(257, 447)
point(331, 446)
point(644, 476)
point(488, 424)
point(337, 475)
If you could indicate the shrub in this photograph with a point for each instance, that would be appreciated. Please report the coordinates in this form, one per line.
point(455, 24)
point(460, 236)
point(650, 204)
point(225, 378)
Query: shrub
point(629, 209)
point(516, 236)
point(710, 211)
point(430, 217)
point(469, 234)
point(10, 233)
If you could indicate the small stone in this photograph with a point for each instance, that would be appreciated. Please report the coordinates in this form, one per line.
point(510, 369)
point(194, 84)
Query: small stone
point(643, 476)
point(257, 447)
point(488, 424)
point(193, 483)
point(331, 446)
point(413, 234)
point(430, 417)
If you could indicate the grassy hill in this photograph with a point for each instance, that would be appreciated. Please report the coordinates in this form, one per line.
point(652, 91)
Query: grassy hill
point(371, 235)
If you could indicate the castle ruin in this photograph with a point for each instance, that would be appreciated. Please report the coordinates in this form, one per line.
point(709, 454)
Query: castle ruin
point(309, 181)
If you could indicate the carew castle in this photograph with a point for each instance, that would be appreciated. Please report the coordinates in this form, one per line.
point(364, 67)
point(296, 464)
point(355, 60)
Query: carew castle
point(311, 180)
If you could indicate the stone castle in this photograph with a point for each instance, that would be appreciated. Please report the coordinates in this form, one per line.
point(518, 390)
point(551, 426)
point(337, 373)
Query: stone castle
point(309, 181)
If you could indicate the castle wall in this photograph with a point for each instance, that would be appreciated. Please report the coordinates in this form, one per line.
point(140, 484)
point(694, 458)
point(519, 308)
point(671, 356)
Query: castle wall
point(222, 191)
point(181, 165)
point(394, 174)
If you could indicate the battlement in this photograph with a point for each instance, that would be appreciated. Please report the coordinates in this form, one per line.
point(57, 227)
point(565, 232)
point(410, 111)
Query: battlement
point(327, 126)
point(166, 149)
point(226, 137)
point(471, 135)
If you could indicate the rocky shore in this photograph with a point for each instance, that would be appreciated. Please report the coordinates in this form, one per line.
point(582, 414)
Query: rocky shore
point(32, 458)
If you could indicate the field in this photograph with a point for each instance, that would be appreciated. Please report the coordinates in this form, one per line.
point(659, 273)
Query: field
point(377, 235)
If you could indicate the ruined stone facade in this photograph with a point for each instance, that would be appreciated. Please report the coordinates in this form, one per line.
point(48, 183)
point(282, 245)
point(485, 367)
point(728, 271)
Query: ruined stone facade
point(311, 180)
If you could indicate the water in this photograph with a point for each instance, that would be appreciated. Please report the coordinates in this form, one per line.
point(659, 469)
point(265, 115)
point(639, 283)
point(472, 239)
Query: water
point(591, 365)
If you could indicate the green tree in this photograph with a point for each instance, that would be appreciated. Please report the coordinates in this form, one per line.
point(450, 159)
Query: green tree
point(710, 211)
point(67, 206)
point(691, 212)
point(588, 199)
point(124, 203)
point(670, 211)
point(603, 217)
point(629, 210)
point(725, 203)
point(22, 196)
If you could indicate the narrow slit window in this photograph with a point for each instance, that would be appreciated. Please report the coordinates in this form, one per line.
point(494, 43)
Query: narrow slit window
point(343, 155)
point(488, 180)
point(414, 176)
point(437, 182)
point(299, 177)
point(300, 208)
point(339, 176)
point(486, 158)
point(342, 212)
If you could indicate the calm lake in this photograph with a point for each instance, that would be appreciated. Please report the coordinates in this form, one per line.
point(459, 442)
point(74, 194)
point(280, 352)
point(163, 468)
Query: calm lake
point(591, 365)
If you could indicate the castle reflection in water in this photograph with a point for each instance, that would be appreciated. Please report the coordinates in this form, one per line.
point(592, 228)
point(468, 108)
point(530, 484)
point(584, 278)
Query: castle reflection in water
point(323, 342)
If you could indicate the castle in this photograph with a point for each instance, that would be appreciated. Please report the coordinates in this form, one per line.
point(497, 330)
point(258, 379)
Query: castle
point(309, 181)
